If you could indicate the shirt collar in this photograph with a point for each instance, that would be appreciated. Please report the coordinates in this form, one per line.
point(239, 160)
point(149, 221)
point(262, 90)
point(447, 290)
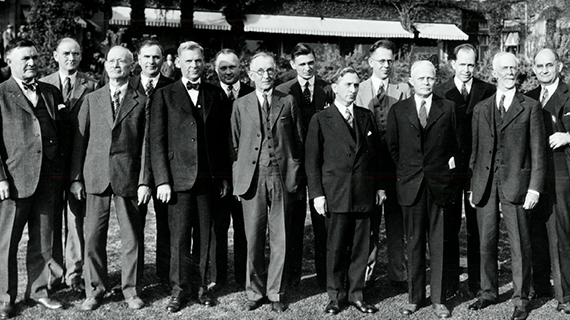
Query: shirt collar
point(20, 81)
point(260, 95)
point(428, 101)
point(459, 84)
point(72, 77)
point(302, 82)
point(236, 86)
point(185, 80)
point(376, 82)
point(122, 88)
point(509, 95)
point(341, 108)
point(551, 87)
point(145, 79)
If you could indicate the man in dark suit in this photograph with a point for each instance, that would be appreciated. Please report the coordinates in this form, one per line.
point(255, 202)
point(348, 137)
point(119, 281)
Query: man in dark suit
point(267, 139)
point(32, 148)
point(379, 94)
point(191, 165)
point(109, 163)
point(75, 86)
point(312, 95)
point(150, 59)
point(550, 219)
point(228, 70)
point(508, 163)
point(466, 91)
point(422, 139)
point(342, 161)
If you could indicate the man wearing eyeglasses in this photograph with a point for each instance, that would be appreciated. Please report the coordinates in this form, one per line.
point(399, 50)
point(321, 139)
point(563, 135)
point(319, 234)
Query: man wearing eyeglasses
point(379, 94)
point(267, 139)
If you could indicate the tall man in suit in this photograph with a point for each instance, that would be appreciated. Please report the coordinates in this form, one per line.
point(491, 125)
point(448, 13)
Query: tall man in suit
point(550, 219)
point(508, 163)
point(342, 161)
point(312, 95)
point(466, 91)
point(267, 139)
point(228, 70)
point(379, 94)
point(422, 139)
point(191, 166)
point(150, 59)
point(109, 163)
point(31, 171)
point(74, 86)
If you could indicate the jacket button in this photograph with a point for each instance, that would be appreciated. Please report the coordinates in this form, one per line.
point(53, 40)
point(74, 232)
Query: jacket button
point(256, 149)
point(348, 154)
point(258, 135)
point(193, 139)
point(39, 151)
point(253, 162)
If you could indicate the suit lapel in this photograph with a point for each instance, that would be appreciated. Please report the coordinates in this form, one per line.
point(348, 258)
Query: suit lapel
point(206, 102)
point(477, 90)
point(336, 121)
point(275, 109)
point(253, 109)
point(413, 113)
point(434, 112)
point(514, 110)
point(180, 97)
point(130, 101)
point(393, 93)
point(78, 90)
point(18, 96)
point(558, 99)
point(367, 94)
point(104, 102)
point(360, 128)
point(319, 98)
point(48, 100)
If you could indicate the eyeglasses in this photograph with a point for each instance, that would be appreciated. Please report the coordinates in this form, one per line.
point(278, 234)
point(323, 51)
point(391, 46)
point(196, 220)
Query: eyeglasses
point(384, 62)
point(261, 72)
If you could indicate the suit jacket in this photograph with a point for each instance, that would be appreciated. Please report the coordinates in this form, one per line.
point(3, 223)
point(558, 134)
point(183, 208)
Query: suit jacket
point(520, 140)
point(395, 92)
point(480, 90)
point(339, 167)
point(162, 82)
point(109, 152)
point(286, 131)
point(173, 139)
point(322, 97)
point(21, 143)
point(424, 161)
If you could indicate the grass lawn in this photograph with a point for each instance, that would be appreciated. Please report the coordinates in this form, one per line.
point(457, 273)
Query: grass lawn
point(306, 302)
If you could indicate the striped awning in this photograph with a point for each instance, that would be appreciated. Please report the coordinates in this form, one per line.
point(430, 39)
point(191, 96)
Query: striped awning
point(440, 31)
point(170, 18)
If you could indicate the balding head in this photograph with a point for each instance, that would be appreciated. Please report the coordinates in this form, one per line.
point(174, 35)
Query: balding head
point(422, 77)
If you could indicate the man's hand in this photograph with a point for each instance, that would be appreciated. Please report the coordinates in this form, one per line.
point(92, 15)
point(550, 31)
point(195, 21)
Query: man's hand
point(164, 193)
point(225, 189)
point(77, 188)
point(471, 199)
point(320, 204)
point(4, 190)
point(380, 197)
point(144, 195)
point(530, 200)
point(559, 139)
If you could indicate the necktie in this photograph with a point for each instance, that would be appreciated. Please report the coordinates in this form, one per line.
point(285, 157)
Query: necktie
point(149, 88)
point(195, 86)
point(380, 93)
point(66, 88)
point(265, 103)
point(30, 85)
point(544, 97)
point(349, 118)
point(306, 94)
point(231, 93)
point(116, 102)
point(502, 109)
point(423, 114)
point(464, 92)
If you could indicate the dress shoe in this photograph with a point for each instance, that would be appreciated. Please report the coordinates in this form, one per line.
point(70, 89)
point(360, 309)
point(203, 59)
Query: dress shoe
point(49, 303)
point(333, 307)
point(364, 307)
point(174, 304)
point(78, 287)
point(480, 304)
point(206, 300)
point(400, 285)
point(252, 305)
point(409, 308)
point(441, 311)
point(134, 303)
point(278, 306)
point(540, 295)
point(520, 313)
point(563, 307)
point(90, 304)
point(6, 310)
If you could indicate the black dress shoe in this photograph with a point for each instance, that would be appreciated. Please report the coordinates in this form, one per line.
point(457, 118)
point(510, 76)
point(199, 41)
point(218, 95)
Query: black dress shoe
point(364, 307)
point(206, 300)
point(78, 287)
point(278, 306)
point(409, 309)
point(480, 304)
point(49, 303)
point(520, 313)
point(333, 307)
point(251, 305)
point(563, 307)
point(174, 304)
point(6, 310)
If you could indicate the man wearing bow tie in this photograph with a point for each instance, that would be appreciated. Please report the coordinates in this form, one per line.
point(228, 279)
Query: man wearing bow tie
point(31, 176)
point(191, 168)
point(267, 141)
point(74, 85)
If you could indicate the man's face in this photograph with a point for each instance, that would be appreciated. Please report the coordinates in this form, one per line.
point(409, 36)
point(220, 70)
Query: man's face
point(68, 56)
point(262, 72)
point(423, 80)
point(191, 63)
point(464, 65)
point(119, 63)
point(228, 68)
point(506, 72)
point(150, 60)
point(381, 62)
point(304, 65)
point(346, 88)
point(22, 63)
point(546, 67)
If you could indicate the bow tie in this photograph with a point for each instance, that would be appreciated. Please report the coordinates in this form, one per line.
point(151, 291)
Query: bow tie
point(30, 86)
point(195, 86)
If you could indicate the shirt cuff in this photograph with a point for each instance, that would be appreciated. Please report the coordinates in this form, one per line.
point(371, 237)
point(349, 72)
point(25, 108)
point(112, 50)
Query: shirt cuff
point(534, 192)
point(319, 198)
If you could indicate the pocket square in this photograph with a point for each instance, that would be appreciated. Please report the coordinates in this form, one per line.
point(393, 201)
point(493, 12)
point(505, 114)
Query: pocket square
point(566, 114)
point(60, 106)
point(369, 133)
